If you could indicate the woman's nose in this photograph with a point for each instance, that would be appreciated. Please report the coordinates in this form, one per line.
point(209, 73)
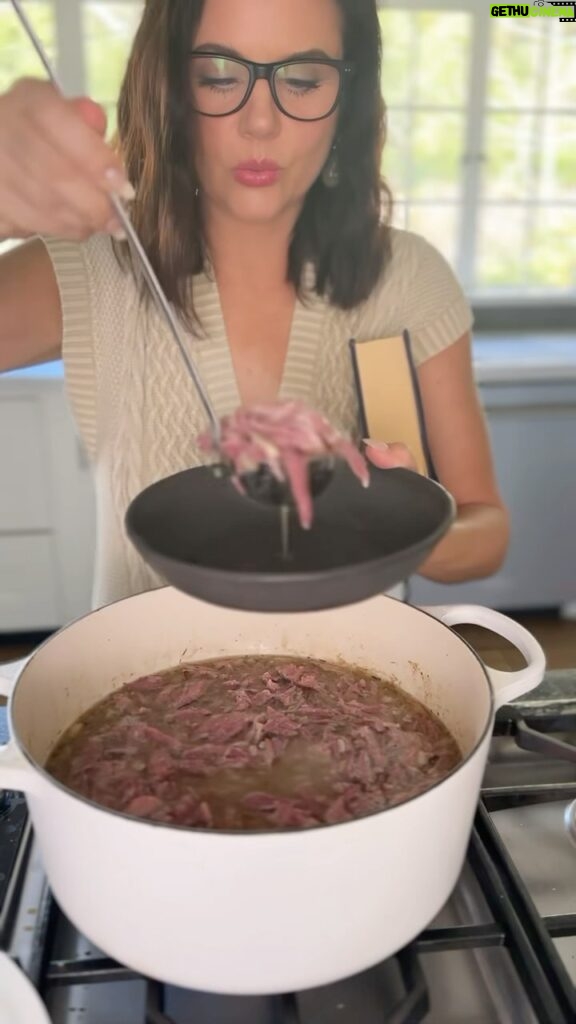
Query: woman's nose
point(260, 116)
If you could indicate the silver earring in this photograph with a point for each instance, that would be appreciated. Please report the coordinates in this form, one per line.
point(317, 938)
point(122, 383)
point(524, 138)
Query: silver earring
point(331, 172)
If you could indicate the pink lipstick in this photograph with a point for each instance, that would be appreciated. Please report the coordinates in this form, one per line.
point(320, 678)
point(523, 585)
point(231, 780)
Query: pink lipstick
point(257, 173)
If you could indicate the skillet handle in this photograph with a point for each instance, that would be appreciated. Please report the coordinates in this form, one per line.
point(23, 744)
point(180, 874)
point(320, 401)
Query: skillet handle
point(15, 771)
point(506, 686)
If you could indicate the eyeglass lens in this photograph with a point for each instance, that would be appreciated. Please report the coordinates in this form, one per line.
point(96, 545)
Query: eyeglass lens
point(306, 91)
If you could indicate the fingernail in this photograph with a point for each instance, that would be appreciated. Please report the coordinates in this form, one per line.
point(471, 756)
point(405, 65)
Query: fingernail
point(120, 184)
point(116, 230)
point(379, 446)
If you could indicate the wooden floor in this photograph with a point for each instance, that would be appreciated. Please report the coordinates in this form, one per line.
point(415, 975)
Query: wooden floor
point(558, 638)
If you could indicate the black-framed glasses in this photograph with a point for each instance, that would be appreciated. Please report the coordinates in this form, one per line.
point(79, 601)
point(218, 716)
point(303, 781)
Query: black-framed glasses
point(308, 89)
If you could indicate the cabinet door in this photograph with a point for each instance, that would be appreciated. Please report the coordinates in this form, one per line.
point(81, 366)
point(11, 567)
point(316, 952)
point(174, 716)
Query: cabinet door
point(28, 583)
point(24, 479)
point(533, 432)
point(47, 514)
point(74, 510)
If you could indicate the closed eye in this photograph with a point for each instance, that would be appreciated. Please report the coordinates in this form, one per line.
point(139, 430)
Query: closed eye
point(302, 84)
point(217, 83)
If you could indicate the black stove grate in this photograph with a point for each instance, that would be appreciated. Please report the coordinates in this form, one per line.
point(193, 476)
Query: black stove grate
point(284, 1009)
point(534, 955)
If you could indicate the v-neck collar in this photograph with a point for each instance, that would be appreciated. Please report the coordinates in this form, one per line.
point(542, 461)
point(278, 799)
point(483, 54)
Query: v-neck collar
point(212, 350)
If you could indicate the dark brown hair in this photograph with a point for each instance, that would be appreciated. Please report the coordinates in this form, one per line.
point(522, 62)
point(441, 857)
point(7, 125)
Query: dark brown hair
point(342, 231)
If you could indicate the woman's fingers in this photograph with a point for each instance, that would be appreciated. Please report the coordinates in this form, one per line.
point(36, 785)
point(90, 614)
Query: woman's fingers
point(57, 172)
point(389, 456)
point(91, 113)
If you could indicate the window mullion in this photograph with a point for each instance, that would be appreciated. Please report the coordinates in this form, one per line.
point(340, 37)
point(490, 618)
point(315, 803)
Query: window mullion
point(474, 156)
point(70, 46)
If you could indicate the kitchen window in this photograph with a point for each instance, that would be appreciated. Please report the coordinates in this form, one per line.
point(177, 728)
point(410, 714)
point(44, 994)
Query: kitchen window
point(482, 127)
point(482, 137)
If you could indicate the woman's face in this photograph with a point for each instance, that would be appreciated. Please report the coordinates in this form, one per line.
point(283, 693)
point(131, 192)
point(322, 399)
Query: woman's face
point(264, 31)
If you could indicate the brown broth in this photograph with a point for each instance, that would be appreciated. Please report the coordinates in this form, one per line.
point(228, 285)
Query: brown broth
point(255, 742)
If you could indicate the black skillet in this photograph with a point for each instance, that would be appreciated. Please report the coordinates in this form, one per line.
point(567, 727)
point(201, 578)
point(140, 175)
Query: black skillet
point(207, 540)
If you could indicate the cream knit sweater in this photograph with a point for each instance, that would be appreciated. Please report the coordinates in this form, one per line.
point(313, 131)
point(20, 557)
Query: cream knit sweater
point(136, 408)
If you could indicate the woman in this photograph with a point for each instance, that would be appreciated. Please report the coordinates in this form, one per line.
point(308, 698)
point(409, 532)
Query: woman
point(250, 134)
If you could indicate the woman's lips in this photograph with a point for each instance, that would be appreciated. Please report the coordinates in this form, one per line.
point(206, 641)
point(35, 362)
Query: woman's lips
point(257, 173)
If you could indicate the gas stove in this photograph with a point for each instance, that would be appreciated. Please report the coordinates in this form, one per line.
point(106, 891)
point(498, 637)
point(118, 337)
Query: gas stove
point(503, 950)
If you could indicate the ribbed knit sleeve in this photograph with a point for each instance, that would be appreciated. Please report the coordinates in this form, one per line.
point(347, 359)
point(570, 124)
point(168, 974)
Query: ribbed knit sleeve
point(419, 293)
point(69, 260)
point(97, 298)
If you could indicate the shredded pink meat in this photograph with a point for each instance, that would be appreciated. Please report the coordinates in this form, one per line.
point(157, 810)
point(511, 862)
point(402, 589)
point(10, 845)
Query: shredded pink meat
point(284, 436)
point(329, 743)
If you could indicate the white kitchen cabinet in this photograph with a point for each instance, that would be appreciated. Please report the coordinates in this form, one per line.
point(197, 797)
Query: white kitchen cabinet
point(47, 516)
point(24, 504)
point(29, 592)
point(528, 389)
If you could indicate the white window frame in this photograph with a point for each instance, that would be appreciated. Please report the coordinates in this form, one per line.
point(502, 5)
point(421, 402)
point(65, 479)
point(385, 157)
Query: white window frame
point(474, 156)
point(71, 66)
point(71, 61)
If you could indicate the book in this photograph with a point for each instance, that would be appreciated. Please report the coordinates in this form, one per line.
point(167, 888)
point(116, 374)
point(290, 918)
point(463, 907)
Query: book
point(390, 404)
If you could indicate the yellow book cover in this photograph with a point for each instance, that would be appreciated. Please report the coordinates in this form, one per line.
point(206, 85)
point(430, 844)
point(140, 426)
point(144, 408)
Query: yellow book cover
point(389, 396)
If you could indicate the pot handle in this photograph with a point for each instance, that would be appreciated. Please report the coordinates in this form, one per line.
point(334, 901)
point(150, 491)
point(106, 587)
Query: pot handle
point(15, 772)
point(506, 685)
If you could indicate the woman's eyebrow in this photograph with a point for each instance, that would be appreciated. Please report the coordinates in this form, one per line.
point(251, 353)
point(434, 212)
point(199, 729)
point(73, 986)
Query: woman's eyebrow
point(227, 51)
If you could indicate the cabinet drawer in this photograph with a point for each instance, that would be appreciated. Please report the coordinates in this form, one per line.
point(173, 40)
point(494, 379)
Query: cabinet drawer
point(24, 474)
point(28, 587)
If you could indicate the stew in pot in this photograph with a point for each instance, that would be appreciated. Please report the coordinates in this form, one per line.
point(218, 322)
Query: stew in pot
point(255, 743)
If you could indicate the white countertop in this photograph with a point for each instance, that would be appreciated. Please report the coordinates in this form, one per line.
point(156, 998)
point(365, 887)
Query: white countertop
point(43, 371)
point(508, 357)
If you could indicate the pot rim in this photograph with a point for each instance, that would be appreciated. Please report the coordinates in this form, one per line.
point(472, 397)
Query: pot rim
point(247, 833)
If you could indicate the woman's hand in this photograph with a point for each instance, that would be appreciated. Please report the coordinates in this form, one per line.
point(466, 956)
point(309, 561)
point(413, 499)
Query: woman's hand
point(390, 456)
point(56, 170)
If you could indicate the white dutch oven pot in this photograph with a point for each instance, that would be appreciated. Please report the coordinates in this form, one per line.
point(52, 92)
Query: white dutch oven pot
point(268, 912)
